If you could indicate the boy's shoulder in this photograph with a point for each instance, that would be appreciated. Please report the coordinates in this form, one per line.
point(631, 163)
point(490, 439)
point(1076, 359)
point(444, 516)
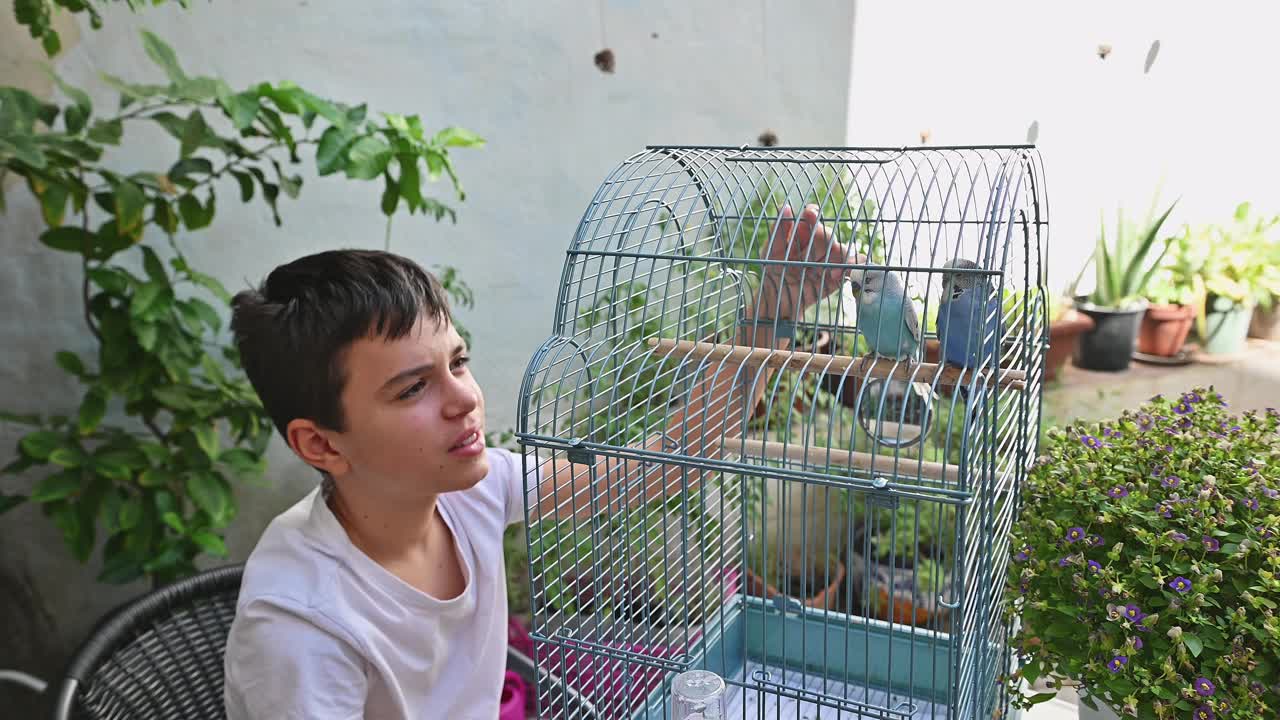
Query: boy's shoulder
point(295, 559)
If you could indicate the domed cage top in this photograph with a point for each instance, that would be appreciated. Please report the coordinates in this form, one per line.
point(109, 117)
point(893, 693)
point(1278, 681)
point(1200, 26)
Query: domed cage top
point(780, 424)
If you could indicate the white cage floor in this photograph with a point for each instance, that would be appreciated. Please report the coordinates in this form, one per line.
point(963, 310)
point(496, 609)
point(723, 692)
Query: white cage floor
point(750, 704)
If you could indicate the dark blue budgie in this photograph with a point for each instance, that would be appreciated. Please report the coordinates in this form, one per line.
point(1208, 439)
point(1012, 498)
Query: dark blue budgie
point(969, 324)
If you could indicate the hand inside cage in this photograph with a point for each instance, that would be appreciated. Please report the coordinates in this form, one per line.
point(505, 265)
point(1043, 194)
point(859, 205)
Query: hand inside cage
point(788, 290)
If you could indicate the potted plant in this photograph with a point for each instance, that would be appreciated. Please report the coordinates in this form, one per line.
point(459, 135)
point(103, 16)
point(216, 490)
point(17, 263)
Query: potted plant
point(1174, 294)
point(1233, 275)
point(1123, 269)
point(796, 538)
point(1145, 563)
point(900, 560)
point(1265, 323)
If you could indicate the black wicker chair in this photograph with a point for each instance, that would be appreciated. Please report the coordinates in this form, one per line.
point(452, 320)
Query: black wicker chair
point(160, 658)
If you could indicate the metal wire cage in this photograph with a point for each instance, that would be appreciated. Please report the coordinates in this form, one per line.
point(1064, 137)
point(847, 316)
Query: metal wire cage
point(782, 450)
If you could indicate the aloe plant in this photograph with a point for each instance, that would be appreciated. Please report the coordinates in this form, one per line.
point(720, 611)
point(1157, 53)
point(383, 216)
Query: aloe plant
point(1123, 269)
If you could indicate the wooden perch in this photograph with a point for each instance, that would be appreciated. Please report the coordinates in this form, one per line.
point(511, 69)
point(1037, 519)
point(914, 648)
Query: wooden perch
point(866, 366)
point(880, 462)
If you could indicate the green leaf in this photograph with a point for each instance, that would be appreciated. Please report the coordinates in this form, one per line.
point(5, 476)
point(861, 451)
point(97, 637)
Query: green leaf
point(113, 281)
point(209, 494)
point(92, 410)
point(172, 520)
point(206, 312)
point(368, 158)
point(106, 132)
point(23, 149)
point(410, 183)
point(163, 55)
point(51, 42)
point(246, 184)
point(146, 333)
point(121, 567)
point(194, 214)
point(133, 92)
point(153, 478)
point(243, 462)
point(23, 419)
point(210, 543)
point(68, 239)
point(53, 203)
point(331, 151)
point(207, 439)
point(1193, 644)
point(193, 133)
point(109, 241)
point(67, 457)
point(211, 284)
point(147, 298)
point(321, 107)
point(198, 89)
point(458, 137)
point(130, 513)
point(190, 166)
point(154, 268)
point(130, 202)
point(70, 362)
point(242, 108)
point(57, 486)
point(390, 195)
point(41, 444)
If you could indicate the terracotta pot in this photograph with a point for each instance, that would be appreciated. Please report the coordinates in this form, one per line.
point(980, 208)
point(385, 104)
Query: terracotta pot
point(1265, 324)
point(1063, 336)
point(825, 599)
point(1165, 328)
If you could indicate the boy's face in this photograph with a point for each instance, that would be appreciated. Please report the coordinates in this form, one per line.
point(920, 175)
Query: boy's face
point(414, 415)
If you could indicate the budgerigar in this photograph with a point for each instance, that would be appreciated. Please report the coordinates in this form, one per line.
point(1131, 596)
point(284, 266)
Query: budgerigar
point(888, 320)
point(969, 323)
point(885, 316)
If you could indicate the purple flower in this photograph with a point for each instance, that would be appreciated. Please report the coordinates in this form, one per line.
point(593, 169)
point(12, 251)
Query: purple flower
point(1118, 492)
point(1091, 442)
point(1256, 688)
point(1171, 481)
point(1074, 534)
point(1177, 536)
point(1094, 567)
point(1182, 408)
point(1168, 448)
point(1144, 422)
point(1164, 511)
point(1210, 544)
point(1251, 503)
point(1273, 494)
point(1064, 561)
point(1133, 612)
point(1021, 556)
point(1204, 712)
point(1186, 424)
point(1191, 397)
point(1096, 541)
point(1235, 428)
point(1204, 688)
point(1180, 584)
point(1117, 663)
point(1137, 643)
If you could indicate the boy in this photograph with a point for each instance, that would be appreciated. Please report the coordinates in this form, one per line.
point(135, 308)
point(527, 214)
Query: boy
point(381, 594)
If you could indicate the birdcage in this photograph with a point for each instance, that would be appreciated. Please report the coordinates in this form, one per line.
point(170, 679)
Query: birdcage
point(778, 428)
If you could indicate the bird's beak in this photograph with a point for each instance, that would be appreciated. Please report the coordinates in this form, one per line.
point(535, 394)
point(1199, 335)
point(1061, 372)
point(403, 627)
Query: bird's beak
point(855, 287)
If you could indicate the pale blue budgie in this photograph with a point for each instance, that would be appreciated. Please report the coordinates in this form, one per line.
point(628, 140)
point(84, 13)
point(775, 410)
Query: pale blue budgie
point(969, 323)
point(888, 320)
point(885, 316)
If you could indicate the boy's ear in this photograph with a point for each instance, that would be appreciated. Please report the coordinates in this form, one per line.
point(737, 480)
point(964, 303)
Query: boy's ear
point(311, 443)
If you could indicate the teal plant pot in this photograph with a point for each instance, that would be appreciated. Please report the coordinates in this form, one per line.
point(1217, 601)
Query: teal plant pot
point(1226, 326)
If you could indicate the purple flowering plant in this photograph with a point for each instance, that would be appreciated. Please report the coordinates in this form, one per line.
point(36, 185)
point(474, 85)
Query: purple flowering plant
point(1159, 598)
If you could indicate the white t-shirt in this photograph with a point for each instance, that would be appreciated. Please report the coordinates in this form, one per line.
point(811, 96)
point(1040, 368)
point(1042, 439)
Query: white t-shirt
point(322, 631)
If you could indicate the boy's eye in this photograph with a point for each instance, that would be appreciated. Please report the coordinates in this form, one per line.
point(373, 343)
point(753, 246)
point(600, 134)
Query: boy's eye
point(462, 361)
point(412, 391)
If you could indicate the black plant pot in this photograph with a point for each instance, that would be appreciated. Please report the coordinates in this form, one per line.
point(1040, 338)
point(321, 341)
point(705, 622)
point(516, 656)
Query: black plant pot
point(1111, 342)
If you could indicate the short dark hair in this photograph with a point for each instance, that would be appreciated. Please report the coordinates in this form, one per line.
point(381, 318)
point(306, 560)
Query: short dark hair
point(293, 331)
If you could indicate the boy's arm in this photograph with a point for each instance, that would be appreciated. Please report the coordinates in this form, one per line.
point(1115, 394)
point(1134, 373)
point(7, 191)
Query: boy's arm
point(713, 409)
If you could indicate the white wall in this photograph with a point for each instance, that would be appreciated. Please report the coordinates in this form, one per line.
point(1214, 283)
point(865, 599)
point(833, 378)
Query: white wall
point(519, 73)
point(1202, 118)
